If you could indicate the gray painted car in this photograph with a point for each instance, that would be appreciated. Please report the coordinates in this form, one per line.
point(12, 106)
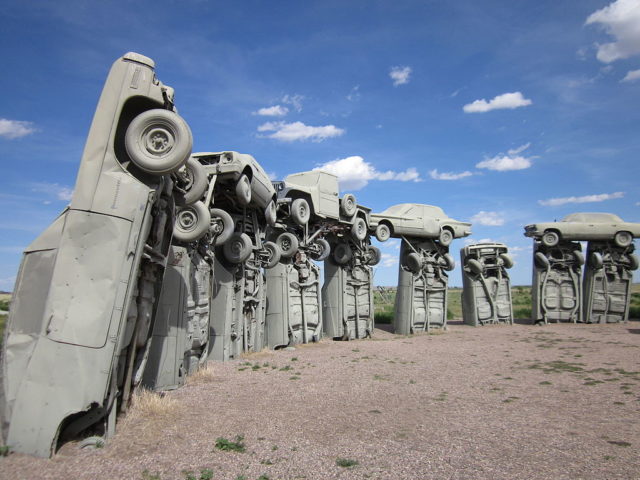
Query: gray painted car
point(81, 317)
point(418, 220)
point(585, 226)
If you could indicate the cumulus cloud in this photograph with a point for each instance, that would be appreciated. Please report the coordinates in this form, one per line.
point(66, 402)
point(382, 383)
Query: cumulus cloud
point(354, 173)
point(55, 190)
point(489, 219)
point(554, 202)
point(274, 111)
point(511, 161)
point(294, 100)
point(631, 76)
point(290, 132)
point(506, 100)
point(621, 20)
point(400, 75)
point(15, 128)
point(448, 175)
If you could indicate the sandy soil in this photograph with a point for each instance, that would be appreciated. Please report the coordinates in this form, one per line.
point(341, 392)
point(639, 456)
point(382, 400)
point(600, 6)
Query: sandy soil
point(496, 402)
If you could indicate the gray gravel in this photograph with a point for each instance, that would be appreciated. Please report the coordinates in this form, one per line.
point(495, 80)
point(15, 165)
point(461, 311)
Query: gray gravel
point(496, 402)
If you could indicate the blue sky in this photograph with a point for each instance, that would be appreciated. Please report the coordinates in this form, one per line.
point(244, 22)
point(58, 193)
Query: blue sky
point(502, 113)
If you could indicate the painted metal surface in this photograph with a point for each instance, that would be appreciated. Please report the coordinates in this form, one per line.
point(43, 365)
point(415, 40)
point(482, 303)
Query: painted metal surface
point(607, 282)
point(421, 298)
point(293, 313)
point(556, 289)
point(79, 329)
point(486, 288)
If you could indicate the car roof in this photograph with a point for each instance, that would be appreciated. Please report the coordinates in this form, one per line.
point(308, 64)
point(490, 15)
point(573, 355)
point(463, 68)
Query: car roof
point(404, 207)
point(597, 217)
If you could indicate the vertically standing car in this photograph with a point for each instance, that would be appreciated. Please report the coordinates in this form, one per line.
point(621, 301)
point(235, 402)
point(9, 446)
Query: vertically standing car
point(81, 318)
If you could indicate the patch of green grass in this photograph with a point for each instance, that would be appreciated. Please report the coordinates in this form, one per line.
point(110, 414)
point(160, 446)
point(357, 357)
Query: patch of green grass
point(522, 312)
point(346, 462)
point(558, 366)
point(266, 462)
point(263, 477)
point(295, 377)
point(618, 403)
point(545, 383)
point(286, 368)
point(384, 317)
point(510, 399)
point(619, 443)
point(227, 445)
point(5, 450)
point(147, 475)
point(609, 457)
point(294, 359)
point(375, 411)
point(205, 474)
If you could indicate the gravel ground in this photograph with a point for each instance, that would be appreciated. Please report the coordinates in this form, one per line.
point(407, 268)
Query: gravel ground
point(495, 402)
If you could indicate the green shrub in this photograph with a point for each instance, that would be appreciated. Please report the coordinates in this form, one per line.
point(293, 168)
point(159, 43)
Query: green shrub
point(634, 311)
point(522, 312)
point(384, 317)
point(229, 446)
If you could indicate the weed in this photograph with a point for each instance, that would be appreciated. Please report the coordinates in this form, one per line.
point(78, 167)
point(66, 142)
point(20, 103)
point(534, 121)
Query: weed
point(263, 477)
point(609, 457)
point(266, 462)
point(294, 359)
point(375, 411)
point(355, 350)
point(274, 448)
point(241, 477)
point(146, 475)
point(286, 368)
point(229, 446)
point(619, 443)
point(380, 377)
point(346, 462)
point(4, 450)
point(255, 367)
point(205, 474)
point(412, 382)
point(618, 403)
point(295, 377)
point(510, 399)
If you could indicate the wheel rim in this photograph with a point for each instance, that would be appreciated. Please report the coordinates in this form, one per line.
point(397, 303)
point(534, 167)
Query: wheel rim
point(302, 210)
point(158, 140)
point(624, 238)
point(549, 238)
point(446, 236)
point(285, 243)
point(217, 226)
point(236, 247)
point(187, 220)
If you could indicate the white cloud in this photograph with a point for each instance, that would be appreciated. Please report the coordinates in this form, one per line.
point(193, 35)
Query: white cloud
point(294, 100)
point(400, 75)
point(506, 100)
point(621, 20)
point(520, 149)
point(290, 132)
point(387, 260)
point(511, 161)
point(354, 173)
point(273, 176)
point(631, 76)
point(15, 128)
point(354, 94)
point(59, 192)
point(274, 111)
point(554, 202)
point(489, 219)
point(448, 175)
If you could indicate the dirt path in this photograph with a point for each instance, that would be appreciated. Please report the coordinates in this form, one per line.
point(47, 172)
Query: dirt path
point(560, 401)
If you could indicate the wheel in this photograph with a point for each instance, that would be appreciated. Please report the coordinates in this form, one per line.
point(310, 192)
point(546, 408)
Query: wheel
point(342, 253)
point(374, 255)
point(595, 261)
point(288, 244)
point(449, 262)
point(541, 260)
point(243, 190)
point(550, 238)
point(633, 262)
point(414, 262)
point(623, 239)
point(92, 442)
point(446, 237)
point(507, 260)
point(221, 226)
point(323, 248)
point(274, 252)
point(270, 213)
point(158, 141)
point(359, 229)
point(300, 211)
point(579, 256)
point(475, 266)
point(192, 222)
point(193, 182)
point(383, 232)
point(238, 248)
point(348, 205)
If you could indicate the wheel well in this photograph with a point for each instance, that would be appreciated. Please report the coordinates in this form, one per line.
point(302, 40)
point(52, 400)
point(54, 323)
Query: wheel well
point(295, 194)
point(248, 172)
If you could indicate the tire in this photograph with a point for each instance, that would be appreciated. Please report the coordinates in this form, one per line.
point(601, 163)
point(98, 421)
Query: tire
point(541, 260)
point(623, 239)
point(414, 262)
point(158, 141)
point(192, 222)
point(221, 226)
point(449, 262)
point(383, 232)
point(634, 263)
point(300, 211)
point(288, 244)
point(595, 261)
point(374, 255)
point(325, 250)
point(550, 238)
point(270, 213)
point(507, 260)
point(195, 184)
point(274, 252)
point(579, 256)
point(359, 229)
point(238, 248)
point(445, 237)
point(475, 266)
point(348, 205)
point(243, 190)
point(342, 253)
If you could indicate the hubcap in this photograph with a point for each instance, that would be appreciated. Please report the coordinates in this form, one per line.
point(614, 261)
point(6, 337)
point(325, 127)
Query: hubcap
point(158, 140)
point(187, 219)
